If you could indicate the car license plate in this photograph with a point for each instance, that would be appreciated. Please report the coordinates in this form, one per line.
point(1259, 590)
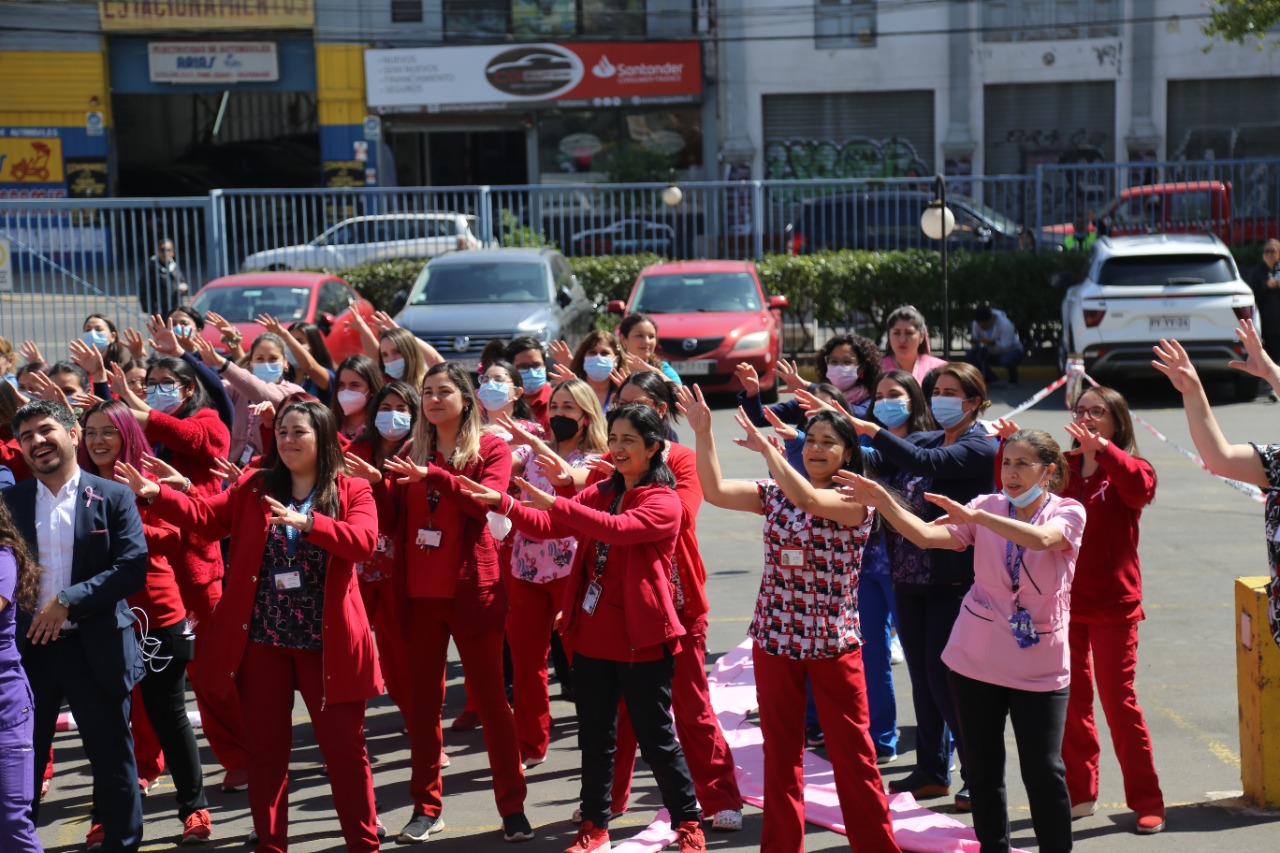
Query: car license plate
point(694, 368)
point(1170, 323)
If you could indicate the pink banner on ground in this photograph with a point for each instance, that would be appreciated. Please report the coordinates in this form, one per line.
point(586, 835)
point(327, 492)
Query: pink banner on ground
point(733, 695)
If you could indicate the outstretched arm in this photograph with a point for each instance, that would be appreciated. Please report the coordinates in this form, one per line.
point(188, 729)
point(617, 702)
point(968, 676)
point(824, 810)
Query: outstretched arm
point(737, 495)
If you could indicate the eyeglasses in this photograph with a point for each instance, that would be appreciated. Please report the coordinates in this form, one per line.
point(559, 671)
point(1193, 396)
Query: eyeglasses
point(106, 434)
point(168, 386)
point(1097, 413)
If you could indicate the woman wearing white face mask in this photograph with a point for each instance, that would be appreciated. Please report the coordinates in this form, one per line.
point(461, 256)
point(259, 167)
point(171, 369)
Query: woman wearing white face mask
point(400, 356)
point(959, 458)
point(269, 379)
point(501, 395)
point(100, 333)
point(356, 382)
point(394, 410)
point(1008, 651)
point(849, 362)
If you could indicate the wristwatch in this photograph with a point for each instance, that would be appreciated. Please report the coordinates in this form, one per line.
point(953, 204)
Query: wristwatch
point(64, 600)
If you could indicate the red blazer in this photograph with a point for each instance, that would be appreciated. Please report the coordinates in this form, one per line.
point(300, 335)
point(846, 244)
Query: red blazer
point(195, 442)
point(11, 458)
point(683, 462)
point(644, 534)
point(350, 668)
point(160, 598)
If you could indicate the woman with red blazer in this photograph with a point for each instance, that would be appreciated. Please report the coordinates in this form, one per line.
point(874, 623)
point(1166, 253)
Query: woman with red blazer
point(448, 584)
point(291, 618)
point(619, 605)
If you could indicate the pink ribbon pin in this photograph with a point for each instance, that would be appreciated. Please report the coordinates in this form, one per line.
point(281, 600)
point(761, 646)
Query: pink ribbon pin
point(90, 495)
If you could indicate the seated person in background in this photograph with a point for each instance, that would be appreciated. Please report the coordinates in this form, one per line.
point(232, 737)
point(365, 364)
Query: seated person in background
point(995, 344)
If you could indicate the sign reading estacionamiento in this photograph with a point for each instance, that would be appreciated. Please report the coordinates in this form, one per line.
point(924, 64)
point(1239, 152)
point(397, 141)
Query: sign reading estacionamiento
point(155, 15)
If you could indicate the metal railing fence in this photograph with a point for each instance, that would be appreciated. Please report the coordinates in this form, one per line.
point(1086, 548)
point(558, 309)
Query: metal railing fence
point(73, 257)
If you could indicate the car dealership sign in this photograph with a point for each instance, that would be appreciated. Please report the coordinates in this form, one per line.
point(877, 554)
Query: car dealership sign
point(499, 77)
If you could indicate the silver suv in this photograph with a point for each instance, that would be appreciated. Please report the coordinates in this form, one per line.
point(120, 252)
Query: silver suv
point(1137, 290)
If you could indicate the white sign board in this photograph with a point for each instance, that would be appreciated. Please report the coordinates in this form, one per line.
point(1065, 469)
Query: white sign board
point(213, 62)
point(6, 267)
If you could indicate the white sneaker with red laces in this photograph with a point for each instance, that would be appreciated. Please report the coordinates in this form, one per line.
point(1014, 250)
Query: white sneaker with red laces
point(590, 839)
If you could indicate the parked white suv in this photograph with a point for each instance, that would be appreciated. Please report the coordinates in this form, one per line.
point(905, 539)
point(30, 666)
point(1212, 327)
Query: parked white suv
point(1137, 290)
point(366, 239)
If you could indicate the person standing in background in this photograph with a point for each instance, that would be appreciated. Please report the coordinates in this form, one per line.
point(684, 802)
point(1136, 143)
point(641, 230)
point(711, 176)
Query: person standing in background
point(163, 284)
point(1264, 281)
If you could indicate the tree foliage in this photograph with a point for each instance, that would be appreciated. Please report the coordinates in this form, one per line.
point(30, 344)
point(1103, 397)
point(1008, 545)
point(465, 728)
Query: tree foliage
point(1243, 21)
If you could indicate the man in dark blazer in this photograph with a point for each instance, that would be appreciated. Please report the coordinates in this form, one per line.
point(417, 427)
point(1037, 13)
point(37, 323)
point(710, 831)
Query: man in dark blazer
point(80, 645)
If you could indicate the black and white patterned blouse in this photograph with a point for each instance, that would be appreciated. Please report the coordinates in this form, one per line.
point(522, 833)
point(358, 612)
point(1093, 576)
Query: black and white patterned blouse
point(1270, 455)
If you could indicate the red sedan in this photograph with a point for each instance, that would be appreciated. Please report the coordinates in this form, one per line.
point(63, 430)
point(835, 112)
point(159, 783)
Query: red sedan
point(711, 316)
point(314, 297)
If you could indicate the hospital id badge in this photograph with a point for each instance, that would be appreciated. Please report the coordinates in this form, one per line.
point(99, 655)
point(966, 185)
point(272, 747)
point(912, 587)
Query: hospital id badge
point(246, 455)
point(792, 558)
point(287, 580)
point(428, 538)
point(592, 598)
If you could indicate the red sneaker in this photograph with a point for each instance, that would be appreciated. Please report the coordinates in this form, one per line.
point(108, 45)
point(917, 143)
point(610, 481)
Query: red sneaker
point(689, 834)
point(590, 839)
point(96, 836)
point(197, 828)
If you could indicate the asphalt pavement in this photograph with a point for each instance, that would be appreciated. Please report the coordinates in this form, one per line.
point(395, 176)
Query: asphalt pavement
point(1197, 537)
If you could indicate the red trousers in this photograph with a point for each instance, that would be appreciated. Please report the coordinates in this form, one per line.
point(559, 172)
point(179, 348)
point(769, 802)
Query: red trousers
point(430, 626)
point(393, 657)
point(146, 746)
point(530, 617)
point(840, 692)
point(1108, 652)
point(269, 675)
point(710, 760)
point(220, 720)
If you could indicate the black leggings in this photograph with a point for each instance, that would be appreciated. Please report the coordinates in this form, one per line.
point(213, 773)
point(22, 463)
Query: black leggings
point(164, 695)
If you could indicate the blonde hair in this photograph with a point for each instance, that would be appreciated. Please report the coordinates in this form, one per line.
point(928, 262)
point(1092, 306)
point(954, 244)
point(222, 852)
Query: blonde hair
point(595, 437)
point(415, 366)
point(466, 448)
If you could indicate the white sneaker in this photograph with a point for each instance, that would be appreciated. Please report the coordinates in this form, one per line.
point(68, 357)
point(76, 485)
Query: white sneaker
point(1085, 809)
point(895, 651)
point(533, 762)
point(728, 820)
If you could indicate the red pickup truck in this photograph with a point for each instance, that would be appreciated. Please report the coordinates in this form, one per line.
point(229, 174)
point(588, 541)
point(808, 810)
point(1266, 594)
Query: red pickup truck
point(1184, 207)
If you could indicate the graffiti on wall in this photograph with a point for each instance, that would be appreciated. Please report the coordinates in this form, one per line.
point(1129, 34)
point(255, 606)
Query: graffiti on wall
point(798, 159)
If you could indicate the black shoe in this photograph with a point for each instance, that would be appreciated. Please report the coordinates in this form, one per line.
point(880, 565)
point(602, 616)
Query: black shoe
point(419, 827)
point(515, 827)
point(963, 803)
point(813, 736)
point(919, 786)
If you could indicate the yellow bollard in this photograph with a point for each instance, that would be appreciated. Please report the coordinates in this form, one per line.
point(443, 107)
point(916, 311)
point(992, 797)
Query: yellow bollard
point(1258, 681)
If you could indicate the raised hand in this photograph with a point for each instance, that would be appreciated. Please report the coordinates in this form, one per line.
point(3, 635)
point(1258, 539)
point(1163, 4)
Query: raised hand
point(163, 340)
point(406, 470)
point(136, 480)
point(811, 404)
point(207, 353)
point(1088, 440)
point(30, 352)
point(956, 513)
point(281, 514)
point(89, 358)
point(749, 378)
point(790, 373)
point(220, 323)
point(537, 497)
point(1257, 362)
point(785, 431)
point(855, 488)
point(44, 388)
point(755, 439)
point(271, 324)
point(691, 404)
point(600, 465)
point(1172, 360)
point(225, 469)
point(519, 435)
point(357, 467)
point(636, 364)
point(556, 470)
point(562, 373)
point(382, 321)
point(165, 473)
point(264, 411)
point(120, 387)
point(480, 493)
point(133, 340)
point(85, 401)
point(617, 377)
point(559, 350)
point(1005, 429)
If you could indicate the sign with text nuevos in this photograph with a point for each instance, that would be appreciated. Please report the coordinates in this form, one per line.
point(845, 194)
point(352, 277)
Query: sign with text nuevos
point(213, 62)
point(532, 76)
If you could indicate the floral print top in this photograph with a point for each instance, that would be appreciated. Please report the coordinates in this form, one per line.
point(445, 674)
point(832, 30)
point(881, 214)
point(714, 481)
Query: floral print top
point(289, 603)
point(808, 601)
point(1270, 455)
point(544, 560)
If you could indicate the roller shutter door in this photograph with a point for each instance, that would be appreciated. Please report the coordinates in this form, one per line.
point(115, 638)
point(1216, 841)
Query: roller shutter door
point(1223, 119)
point(1027, 125)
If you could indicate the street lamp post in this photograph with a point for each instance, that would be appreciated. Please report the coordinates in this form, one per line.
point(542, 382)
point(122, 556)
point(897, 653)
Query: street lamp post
point(937, 222)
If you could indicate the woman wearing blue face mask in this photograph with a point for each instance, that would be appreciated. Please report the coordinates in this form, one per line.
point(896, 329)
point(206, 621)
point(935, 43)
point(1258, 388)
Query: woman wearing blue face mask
point(959, 460)
point(100, 333)
point(268, 379)
point(595, 360)
point(501, 394)
point(526, 355)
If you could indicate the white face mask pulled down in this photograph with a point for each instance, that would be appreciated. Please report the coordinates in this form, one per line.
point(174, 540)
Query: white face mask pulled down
point(499, 525)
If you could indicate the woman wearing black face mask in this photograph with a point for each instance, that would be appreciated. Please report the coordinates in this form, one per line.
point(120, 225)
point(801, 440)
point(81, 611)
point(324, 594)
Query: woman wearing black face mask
point(540, 567)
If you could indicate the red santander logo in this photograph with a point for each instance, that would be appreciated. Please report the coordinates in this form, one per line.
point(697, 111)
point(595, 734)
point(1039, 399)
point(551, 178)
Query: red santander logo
point(534, 71)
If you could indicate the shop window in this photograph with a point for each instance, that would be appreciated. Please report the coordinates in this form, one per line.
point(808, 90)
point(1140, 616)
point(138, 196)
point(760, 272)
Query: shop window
point(544, 18)
point(468, 20)
point(1042, 20)
point(620, 145)
point(613, 18)
point(841, 24)
point(406, 11)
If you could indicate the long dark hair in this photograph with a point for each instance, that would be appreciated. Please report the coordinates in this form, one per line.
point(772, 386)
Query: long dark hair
point(278, 479)
point(628, 323)
point(115, 353)
point(848, 436)
point(864, 350)
point(652, 431)
point(921, 417)
point(411, 398)
point(315, 342)
point(656, 387)
point(364, 367)
point(1115, 403)
point(187, 376)
point(26, 593)
point(520, 410)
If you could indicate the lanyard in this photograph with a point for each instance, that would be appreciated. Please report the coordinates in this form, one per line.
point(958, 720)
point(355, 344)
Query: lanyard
point(602, 548)
point(1013, 562)
point(293, 534)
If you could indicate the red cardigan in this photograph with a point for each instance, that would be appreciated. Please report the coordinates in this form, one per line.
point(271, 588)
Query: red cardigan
point(195, 442)
point(683, 462)
point(1108, 579)
point(350, 668)
point(160, 598)
point(11, 458)
point(465, 568)
point(644, 534)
